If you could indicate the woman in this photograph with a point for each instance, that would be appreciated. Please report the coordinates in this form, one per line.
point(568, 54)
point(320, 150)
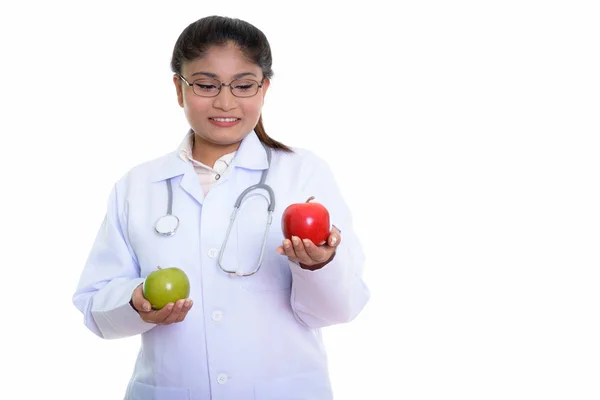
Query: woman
point(250, 328)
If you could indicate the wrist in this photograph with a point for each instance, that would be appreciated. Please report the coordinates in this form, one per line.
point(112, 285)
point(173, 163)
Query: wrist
point(315, 267)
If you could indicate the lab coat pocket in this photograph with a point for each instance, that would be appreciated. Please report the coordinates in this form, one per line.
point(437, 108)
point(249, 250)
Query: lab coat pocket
point(312, 385)
point(142, 391)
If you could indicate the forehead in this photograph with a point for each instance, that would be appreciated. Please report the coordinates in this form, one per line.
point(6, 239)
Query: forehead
point(223, 61)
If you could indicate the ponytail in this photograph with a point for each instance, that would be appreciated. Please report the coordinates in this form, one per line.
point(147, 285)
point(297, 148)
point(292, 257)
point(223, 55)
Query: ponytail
point(267, 140)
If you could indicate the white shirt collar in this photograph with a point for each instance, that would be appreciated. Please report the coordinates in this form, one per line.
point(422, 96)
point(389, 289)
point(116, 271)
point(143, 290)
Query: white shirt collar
point(186, 154)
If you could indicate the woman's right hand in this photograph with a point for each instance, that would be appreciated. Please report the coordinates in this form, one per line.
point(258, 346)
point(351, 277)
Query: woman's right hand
point(166, 315)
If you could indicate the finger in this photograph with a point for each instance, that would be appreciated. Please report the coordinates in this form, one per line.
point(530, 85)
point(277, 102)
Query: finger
point(279, 250)
point(139, 301)
point(186, 307)
point(288, 250)
point(159, 316)
point(177, 309)
point(335, 237)
point(300, 251)
point(317, 253)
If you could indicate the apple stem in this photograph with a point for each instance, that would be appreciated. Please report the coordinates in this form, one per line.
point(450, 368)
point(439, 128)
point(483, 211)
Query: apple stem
point(159, 267)
point(310, 198)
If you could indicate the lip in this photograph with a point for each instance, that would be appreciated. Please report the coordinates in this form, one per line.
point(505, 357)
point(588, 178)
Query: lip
point(224, 124)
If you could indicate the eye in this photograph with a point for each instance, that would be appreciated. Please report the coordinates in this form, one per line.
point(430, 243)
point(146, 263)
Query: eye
point(206, 85)
point(244, 86)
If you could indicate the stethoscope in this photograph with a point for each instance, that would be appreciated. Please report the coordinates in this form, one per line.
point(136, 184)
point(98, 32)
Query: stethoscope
point(167, 224)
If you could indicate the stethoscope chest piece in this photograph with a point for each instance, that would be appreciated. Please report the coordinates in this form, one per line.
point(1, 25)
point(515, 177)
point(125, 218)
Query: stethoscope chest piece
point(167, 225)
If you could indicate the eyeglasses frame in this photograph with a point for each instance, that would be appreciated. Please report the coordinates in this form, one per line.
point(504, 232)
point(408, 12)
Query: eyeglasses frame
point(260, 85)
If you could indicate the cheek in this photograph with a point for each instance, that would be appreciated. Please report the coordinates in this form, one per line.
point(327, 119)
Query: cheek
point(195, 108)
point(252, 110)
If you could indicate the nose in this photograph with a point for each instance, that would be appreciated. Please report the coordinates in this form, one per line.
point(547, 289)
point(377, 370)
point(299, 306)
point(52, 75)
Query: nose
point(225, 100)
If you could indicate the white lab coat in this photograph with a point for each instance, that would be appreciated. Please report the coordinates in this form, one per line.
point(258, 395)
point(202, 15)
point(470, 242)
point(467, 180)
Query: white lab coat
point(255, 337)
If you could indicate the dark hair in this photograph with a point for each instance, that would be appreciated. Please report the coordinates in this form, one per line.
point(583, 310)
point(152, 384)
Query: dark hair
point(197, 38)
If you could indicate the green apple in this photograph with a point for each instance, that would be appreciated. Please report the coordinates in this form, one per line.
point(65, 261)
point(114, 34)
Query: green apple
point(166, 285)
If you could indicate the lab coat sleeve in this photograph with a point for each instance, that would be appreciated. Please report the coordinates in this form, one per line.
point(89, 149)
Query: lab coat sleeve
point(109, 277)
point(335, 293)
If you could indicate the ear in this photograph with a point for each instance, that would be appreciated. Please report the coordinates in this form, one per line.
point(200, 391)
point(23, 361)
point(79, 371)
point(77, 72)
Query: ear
point(178, 89)
point(266, 84)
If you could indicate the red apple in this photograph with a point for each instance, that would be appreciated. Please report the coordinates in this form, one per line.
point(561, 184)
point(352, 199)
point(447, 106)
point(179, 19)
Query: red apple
point(307, 221)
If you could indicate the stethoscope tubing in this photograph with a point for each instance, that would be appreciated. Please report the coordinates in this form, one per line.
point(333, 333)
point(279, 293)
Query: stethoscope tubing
point(174, 220)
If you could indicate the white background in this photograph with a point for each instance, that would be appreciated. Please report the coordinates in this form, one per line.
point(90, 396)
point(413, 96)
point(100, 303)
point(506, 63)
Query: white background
point(464, 135)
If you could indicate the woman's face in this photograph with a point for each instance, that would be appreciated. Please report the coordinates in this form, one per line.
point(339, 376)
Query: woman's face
point(224, 119)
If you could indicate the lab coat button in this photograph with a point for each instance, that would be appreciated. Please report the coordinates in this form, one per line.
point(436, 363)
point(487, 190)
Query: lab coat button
point(213, 253)
point(217, 315)
point(222, 379)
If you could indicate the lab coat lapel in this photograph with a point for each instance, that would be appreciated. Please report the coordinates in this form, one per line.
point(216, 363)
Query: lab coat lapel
point(174, 166)
point(191, 185)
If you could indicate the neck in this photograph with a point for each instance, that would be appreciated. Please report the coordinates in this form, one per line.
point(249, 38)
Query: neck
point(208, 153)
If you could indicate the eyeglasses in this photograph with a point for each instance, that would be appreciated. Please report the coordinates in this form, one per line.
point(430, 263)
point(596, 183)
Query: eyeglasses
point(210, 87)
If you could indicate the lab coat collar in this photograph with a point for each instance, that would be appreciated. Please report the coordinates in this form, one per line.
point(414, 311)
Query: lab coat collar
point(171, 166)
point(250, 155)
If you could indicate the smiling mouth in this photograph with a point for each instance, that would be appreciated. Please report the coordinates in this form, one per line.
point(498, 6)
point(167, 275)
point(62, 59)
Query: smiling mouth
point(225, 119)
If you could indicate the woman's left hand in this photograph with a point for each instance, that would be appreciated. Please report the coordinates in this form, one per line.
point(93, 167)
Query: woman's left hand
point(309, 255)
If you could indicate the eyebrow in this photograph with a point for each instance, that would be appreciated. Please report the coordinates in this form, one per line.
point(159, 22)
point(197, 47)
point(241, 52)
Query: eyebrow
point(211, 75)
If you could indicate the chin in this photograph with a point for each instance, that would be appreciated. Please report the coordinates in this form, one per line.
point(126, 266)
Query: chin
point(221, 137)
point(230, 139)
point(226, 141)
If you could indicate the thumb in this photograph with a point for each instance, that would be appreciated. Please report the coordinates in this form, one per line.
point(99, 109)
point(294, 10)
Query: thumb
point(139, 301)
point(335, 237)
